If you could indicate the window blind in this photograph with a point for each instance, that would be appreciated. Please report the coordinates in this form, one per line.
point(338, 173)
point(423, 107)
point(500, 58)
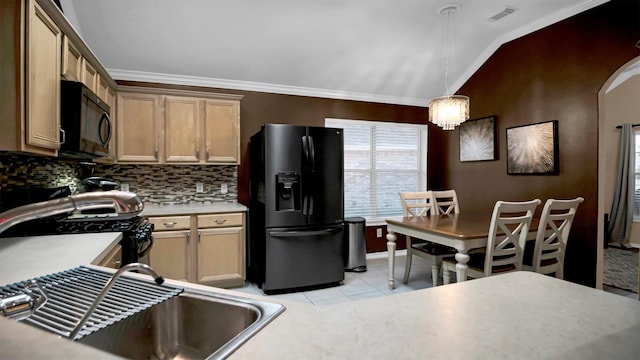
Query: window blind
point(380, 160)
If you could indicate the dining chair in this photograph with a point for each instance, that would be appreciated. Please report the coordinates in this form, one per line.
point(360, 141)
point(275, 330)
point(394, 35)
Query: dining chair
point(508, 232)
point(446, 202)
point(422, 203)
point(553, 232)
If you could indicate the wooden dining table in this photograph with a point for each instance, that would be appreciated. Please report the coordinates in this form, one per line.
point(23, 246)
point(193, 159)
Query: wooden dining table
point(463, 232)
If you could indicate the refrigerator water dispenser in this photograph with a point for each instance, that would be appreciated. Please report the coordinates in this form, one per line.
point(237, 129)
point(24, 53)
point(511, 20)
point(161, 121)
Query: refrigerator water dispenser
point(288, 191)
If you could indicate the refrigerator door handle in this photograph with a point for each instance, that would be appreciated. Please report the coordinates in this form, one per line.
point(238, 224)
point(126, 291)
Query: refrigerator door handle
point(306, 174)
point(312, 155)
point(305, 204)
point(305, 148)
point(298, 233)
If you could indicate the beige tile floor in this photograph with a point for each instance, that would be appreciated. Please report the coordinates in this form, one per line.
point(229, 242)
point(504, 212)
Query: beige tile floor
point(373, 283)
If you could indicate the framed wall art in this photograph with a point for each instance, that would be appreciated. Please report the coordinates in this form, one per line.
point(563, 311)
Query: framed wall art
point(533, 149)
point(478, 140)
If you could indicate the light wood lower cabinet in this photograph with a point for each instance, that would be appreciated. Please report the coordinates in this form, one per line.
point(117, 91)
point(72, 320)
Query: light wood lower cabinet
point(169, 255)
point(215, 256)
point(221, 250)
point(113, 259)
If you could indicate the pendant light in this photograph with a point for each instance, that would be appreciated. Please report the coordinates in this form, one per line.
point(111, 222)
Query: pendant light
point(450, 110)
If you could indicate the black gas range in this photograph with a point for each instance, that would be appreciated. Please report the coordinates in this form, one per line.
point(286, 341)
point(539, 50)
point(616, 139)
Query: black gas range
point(137, 238)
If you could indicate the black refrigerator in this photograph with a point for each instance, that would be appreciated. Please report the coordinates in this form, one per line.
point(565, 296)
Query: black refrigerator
point(296, 207)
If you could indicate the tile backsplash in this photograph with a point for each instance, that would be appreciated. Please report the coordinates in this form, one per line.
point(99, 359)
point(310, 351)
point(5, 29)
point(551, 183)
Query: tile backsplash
point(154, 184)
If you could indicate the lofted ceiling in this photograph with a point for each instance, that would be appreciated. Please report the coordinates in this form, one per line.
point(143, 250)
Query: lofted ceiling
point(386, 51)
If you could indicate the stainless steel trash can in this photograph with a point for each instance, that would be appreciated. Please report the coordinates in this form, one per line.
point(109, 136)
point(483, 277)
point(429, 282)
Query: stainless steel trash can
point(355, 245)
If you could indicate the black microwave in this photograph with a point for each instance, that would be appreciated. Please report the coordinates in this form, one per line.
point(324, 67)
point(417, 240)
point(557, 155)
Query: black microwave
point(86, 125)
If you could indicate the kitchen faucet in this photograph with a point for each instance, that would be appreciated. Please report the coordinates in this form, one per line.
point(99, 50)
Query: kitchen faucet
point(21, 306)
point(133, 266)
point(125, 204)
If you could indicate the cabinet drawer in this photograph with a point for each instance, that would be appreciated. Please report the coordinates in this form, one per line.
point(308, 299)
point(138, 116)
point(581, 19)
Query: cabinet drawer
point(219, 220)
point(170, 222)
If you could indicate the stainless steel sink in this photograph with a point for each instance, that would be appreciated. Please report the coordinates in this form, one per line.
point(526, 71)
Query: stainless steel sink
point(142, 320)
point(191, 325)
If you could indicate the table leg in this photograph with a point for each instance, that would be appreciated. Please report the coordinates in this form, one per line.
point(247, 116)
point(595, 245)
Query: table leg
point(461, 267)
point(391, 249)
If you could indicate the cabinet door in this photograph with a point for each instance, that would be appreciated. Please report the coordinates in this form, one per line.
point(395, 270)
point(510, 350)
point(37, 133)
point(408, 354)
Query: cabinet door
point(221, 257)
point(102, 88)
point(71, 60)
point(42, 80)
point(182, 129)
point(222, 131)
point(89, 75)
point(169, 254)
point(138, 127)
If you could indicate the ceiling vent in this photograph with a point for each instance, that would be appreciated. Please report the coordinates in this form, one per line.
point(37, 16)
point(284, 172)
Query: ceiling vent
point(507, 11)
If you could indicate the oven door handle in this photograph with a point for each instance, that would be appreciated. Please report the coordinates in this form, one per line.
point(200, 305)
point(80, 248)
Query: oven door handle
point(147, 249)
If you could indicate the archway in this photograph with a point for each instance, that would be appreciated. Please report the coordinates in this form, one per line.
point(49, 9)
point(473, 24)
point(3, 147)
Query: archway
point(617, 104)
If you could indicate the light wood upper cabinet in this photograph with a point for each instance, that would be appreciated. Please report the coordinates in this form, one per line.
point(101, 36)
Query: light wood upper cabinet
point(182, 129)
point(195, 127)
point(42, 76)
point(222, 131)
point(138, 127)
point(40, 47)
point(90, 75)
point(71, 60)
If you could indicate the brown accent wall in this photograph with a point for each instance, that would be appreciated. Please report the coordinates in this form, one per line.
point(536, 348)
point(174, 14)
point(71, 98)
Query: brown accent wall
point(552, 74)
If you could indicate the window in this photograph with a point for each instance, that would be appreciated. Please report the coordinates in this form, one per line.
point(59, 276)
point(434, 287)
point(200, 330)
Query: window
point(380, 160)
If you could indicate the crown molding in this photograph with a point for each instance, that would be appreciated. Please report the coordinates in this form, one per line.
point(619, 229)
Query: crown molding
point(262, 87)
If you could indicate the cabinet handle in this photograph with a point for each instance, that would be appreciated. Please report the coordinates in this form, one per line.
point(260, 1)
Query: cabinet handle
point(188, 237)
point(156, 153)
point(198, 154)
point(170, 223)
point(220, 221)
point(199, 236)
point(64, 136)
point(207, 154)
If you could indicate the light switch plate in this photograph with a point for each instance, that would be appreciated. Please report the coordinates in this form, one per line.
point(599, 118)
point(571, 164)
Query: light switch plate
point(223, 188)
point(379, 232)
point(199, 187)
point(124, 187)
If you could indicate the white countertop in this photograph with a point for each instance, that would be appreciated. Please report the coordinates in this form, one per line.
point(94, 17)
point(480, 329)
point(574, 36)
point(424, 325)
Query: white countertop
point(517, 315)
point(23, 258)
point(187, 209)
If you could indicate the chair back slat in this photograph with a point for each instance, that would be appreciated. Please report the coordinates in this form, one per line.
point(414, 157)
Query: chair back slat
point(508, 231)
point(446, 202)
point(418, 203)
point(553, 233)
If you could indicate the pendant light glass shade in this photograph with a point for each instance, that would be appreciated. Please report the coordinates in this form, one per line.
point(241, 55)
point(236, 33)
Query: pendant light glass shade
point(449, 111)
